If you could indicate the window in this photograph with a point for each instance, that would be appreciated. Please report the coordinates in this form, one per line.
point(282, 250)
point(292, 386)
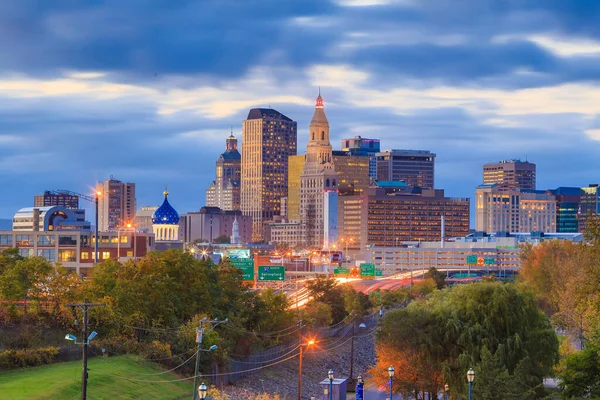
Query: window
point(67, 240)
point(105, 255)
point(322, 135)
point(24, 240)
point(48, 254)
point(129, 253)
point(67, 256)
point(46, 240)
point(124, 239)
point(85, 255)
point(26, 252)
point(6, 239)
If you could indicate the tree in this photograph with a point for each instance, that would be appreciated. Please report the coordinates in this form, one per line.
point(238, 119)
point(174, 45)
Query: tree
point(438, 277)
point(448, 331)
point(23, 277)
point(326, 290)
point(580, 375)
point(222, 239)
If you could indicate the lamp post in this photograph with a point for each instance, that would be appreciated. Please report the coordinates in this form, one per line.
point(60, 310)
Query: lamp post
point(330, 375)
point(127, 226)
point(391, 372)
point(446, 388)
point(202, 389)
point(199, 337)
point(362, 326)
point(470, 379)
point(309, 343)
point(360, 383)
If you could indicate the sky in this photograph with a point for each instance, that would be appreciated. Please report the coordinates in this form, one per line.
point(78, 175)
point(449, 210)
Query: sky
point(147, 91)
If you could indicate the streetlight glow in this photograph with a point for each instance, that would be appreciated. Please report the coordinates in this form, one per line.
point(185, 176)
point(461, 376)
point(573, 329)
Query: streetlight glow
point(391, 371)
point(470, 375)
point(202, 389)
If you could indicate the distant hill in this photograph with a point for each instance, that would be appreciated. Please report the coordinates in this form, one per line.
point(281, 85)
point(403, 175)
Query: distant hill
point(5, 224)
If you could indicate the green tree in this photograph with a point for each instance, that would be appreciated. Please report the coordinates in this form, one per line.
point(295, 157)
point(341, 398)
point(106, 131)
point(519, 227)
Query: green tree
point(580, 374)
point(438, 277)
point(24, 277)
point(326, 290)
point(222, 239)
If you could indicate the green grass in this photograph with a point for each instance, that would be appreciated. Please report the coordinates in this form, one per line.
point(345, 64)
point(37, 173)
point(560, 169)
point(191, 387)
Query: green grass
point(63, 381)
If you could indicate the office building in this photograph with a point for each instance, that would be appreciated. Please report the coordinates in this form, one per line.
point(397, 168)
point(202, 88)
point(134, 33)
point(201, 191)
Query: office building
point(384, 216)
point(501, 208)
point(143, 218)
point(353, 172)
point(290, 233)
point(224, 191)
point(48, 219)
point(59, 198)
point(590, 204)
point(359, 146)
point(75, 250)
point(319, 176)
point(493, 253)
point(414, 167)
point(116, 204)
point(567, 208)
point(295, 169)
point(517, 173)
point(209, 223)
point(268, 139)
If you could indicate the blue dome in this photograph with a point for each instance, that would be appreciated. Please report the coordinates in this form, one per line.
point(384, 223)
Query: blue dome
point(165, 214)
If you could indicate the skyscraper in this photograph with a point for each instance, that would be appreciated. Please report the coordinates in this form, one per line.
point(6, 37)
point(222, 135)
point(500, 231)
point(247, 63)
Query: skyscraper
point(353, 172)
point(318, 177)
point(295, 169)
point(517, 173)
point(224, 191)
point(116, 205)
point(268, 139)
point(590, 203)
point(62, 198)
point(359, 146)
point(413, 167)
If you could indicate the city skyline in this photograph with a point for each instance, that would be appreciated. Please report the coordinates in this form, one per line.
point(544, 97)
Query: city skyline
point(80, 102)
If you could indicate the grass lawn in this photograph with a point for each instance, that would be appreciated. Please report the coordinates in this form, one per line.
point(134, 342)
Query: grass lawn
point(63, 381)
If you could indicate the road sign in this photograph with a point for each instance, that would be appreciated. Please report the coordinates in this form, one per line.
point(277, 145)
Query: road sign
point(341, 271)
point(471, 259)
point(247, 267)
point(367, 269)
point(271, 273)
point(489, 261)
point(378, 272)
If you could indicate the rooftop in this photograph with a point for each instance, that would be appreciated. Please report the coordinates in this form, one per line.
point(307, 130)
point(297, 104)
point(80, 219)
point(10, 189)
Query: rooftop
point(259, 113)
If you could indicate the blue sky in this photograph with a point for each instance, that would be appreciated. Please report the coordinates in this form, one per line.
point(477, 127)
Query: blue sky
point(147, 90)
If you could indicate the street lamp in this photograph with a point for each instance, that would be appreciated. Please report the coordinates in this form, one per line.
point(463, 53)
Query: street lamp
point(202, 389)
point(127, 226)
point(330, 375)
point(446, 388)
point(360, 383)
point(470, 379)
point(85, 343)
point(361, 326)
point(309, 343)
point(391, 372)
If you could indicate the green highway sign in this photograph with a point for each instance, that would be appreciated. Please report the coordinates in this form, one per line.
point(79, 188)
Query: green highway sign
point(367, 269)
point(489, 261)
point(247, 267)
point(341, 271)
point(378, 272)
point(471, 259)
point(271, 273)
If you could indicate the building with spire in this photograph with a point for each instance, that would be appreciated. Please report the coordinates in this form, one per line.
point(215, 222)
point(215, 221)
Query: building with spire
point(319, 183)
point(269, 138)
point(165, 222)
point(224, 191)
point(235, 233)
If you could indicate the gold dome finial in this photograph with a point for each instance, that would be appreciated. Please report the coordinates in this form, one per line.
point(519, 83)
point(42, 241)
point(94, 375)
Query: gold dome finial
point(166, 192)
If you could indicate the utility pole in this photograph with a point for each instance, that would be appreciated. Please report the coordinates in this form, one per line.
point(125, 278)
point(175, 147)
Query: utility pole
point(199, 337)
point(300, 341)
point(85, 306)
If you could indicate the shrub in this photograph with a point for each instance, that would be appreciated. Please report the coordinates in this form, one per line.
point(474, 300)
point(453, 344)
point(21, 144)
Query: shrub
point(27, 357)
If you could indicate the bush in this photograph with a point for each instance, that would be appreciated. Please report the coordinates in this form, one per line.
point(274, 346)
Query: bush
point(27, 357)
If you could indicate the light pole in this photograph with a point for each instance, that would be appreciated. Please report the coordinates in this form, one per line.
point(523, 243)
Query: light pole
point(127, 226)
point(446, 388)
point(360, 383)
point(199, 336)
point(202, 389)
point(391, 372)
point(470, 379)
point(330, 375)
point(309, 343)
point(362, 325)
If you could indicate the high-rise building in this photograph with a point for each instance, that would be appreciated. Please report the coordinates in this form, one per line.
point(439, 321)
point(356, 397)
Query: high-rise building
point(62, 198)
point(353, 172)
point(318, 177)
point(502, 208)
point(590, 203)
point(268, 139)
point(209, 223)
point(567, 208)
point(414, 167)
point(517, 173)
point(359, 146)
point(387, 216)
point(295, 169)
point(116, 204)
point(224, 191)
